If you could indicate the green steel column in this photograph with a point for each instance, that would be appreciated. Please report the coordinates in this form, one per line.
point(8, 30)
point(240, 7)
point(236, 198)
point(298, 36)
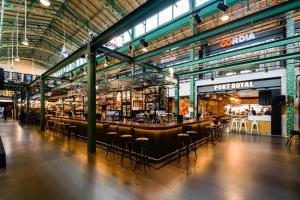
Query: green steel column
point(27, 104)
point(42, 111)
point(290, 32)
point(176, 98)
point(192, 57)
point(91, 80)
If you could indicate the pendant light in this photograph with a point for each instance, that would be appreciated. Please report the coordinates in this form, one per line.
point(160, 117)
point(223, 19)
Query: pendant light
point(17, 59)
point(64, 50)
point(45, 3)
point(25, 41)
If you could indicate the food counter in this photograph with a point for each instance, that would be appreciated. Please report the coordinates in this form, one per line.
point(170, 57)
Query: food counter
point(163, 137)
point(263, 121)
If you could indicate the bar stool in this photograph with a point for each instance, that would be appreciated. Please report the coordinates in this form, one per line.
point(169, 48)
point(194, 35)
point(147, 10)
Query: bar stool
point(183, 141)
point(243, 124)
point(212, 131)
point(142, 144)
point(112, 138)
point(194, 137)
point(254, 124)
point(234, 124)
point(126, 142)
point(50, 125)
point(72, 130)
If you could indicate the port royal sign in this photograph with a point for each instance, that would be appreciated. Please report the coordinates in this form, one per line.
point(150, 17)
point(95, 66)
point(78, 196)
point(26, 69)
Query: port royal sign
point(234, 86)
point(237, 40)
point(240, 85)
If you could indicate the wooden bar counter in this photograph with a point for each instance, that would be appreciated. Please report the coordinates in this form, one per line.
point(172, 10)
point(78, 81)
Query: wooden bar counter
point(163, 137)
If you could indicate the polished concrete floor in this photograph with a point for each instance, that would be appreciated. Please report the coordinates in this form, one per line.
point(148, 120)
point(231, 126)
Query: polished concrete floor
point(41, 166)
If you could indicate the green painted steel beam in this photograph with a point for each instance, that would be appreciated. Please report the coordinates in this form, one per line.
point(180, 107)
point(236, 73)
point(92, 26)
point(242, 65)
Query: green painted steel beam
point(269, 12)
point(237, 52)
point(115, 54)
point(243, 64)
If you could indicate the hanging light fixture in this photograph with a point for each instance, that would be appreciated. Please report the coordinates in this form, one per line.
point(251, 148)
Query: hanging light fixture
point(25, 41)
point(223, 7)
point(64, 50)
point(145, 45)
point(45, 3)
point(17, 56)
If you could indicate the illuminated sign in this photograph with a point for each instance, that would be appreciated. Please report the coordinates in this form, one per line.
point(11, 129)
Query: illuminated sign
point(232, 86)
point(237, 40)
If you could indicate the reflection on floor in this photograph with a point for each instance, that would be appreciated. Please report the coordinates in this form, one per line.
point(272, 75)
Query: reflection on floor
point(240, 167)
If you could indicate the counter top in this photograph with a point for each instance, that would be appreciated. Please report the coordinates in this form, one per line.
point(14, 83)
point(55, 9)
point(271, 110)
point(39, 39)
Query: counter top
point(141, 126)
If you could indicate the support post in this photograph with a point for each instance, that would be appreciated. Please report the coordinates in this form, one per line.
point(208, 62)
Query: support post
point(27, 104)
point(290, 32)
point(17, 107)
point(192, 57)
point(176, 98)
point(91, 80)
point(42, 111)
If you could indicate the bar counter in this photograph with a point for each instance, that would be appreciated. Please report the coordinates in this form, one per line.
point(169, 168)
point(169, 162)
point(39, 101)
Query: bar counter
point(163, 137)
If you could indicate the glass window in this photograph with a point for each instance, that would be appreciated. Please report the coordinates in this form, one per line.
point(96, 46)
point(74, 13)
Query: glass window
point(118, 41)
point(181, 7)
point(127, 37)
point(151, 23)
point(165, 15)
point(139, 29)
point(200, 2)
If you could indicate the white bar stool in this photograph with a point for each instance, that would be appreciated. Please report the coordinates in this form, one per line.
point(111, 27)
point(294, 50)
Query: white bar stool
point(243, 122)
point(254, 123)
point(234, 124)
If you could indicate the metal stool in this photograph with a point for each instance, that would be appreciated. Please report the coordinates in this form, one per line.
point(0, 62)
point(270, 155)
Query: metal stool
point(126, 142)
point(142, 152)
point(234, 125)
point(194, 137)
point(243, 122)
point(254, 123)
point(112, 139)
point(183, 141)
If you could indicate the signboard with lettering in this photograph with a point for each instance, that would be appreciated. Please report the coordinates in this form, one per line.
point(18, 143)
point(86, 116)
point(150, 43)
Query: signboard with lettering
point(237, 40)
point(241, 85)
point(171, 79)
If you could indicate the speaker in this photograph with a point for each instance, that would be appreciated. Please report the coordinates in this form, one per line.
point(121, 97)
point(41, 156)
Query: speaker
point(281, 99)
point(198, 18)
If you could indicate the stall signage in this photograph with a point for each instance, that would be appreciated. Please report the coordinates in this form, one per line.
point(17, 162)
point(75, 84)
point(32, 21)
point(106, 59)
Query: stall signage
point(237, 40)
point(171, 79)
point(232, 86)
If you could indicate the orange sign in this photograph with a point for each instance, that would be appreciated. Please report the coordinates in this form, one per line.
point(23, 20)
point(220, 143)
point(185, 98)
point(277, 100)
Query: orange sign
point(237, 40)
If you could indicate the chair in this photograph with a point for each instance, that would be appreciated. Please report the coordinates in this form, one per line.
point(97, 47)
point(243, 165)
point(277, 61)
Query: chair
point(254, 124)
point(243, 124)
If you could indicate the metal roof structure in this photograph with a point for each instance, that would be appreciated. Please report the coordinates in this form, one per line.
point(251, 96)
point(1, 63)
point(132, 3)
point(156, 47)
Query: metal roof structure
point(65, 21)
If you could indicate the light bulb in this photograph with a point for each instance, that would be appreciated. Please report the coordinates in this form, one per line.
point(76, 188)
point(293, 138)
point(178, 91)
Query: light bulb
point(144, 49)
point(105, 64)
point(25, 42)
point(17, 59)
point(45, 2)
point(225, 17)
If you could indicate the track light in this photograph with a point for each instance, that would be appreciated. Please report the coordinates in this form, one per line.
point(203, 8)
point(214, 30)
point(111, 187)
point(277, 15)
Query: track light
point(198, 18)
point(266, 69)
point(45, 3)
point(145, 44)
point(130, 48)
point(212, 77)
point(225, 17)
point(222, 6)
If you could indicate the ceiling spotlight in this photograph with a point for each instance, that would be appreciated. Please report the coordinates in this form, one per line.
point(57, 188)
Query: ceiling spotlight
point(266, 69)
point(17, 59)
point(222, 6)
point(225, 17)
point(45, 3)
point(25, 42)
point(145, 44)
point(212, 77)
point(198, 18)
point(130, 47)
